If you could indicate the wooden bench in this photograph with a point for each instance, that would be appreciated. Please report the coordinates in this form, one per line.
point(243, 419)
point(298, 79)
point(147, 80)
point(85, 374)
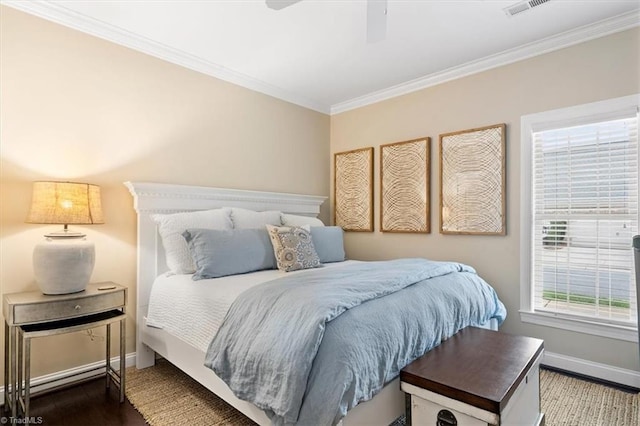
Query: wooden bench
point(477, 377)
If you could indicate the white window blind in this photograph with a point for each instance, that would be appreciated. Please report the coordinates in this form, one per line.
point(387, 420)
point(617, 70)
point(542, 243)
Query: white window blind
point(585, 213)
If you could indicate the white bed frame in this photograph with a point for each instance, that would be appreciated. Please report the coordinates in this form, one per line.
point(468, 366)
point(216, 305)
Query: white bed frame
point(150, 198)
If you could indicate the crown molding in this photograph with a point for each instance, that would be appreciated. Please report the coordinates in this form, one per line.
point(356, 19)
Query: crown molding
point(588, 32)
point(69, 18)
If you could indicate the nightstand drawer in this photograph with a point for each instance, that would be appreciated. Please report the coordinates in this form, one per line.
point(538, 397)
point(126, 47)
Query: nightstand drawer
point(54, 310)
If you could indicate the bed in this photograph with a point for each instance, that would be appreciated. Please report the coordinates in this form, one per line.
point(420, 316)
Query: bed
point(187, 351)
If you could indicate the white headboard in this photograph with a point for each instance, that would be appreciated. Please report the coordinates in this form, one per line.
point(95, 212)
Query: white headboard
point(150, 198)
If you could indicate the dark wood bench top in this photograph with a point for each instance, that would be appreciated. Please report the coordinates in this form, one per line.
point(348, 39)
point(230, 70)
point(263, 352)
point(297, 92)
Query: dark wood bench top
point(476, 366)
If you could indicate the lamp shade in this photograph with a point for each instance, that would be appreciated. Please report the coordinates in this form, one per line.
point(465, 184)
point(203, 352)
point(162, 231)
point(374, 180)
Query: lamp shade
point(65, 203)
point(64, 261)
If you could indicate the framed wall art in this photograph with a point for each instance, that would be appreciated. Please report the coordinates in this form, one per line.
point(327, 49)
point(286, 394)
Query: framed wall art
point(404, 186)
point(473, 181)
point(353, 190)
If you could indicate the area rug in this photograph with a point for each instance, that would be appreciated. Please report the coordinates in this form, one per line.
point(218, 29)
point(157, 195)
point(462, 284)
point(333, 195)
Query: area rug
point(165, 396)
point(570, 401)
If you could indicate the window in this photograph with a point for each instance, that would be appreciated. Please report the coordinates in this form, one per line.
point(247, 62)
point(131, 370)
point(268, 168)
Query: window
point(580, 213)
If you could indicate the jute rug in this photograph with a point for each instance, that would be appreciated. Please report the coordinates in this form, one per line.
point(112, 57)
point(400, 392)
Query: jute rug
point(165, 396)
point(570, 401)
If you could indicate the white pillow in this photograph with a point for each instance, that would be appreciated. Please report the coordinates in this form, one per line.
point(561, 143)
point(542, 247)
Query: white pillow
point(248, 219)
point(171, 227)
point(296, 220)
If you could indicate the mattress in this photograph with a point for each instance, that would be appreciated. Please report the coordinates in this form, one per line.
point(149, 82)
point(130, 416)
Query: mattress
point(194, 310)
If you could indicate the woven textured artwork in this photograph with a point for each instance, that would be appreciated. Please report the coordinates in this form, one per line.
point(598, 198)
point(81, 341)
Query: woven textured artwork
point(353, 190)
point(472, 181)
point(404, 186)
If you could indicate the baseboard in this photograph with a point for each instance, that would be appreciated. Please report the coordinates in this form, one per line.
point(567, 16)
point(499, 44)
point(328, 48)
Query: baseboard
point(87, 371)
point(579, 366)
point(630, 378)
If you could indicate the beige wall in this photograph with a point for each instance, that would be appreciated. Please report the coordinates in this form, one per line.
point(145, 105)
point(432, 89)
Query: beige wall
point(597, 70)
point(74, 107)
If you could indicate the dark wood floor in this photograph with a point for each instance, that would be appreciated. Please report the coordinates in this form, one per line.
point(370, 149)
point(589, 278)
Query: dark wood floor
point(86, 404)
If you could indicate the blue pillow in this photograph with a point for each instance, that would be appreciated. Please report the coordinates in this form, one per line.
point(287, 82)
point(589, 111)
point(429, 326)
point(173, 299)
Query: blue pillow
point(329, 243)
point(218, 253)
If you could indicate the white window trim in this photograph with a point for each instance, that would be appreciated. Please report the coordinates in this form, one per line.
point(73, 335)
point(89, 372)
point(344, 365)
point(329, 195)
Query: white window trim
point(529, 124)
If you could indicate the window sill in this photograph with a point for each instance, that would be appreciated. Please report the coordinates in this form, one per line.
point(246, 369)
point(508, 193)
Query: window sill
point(629, 334)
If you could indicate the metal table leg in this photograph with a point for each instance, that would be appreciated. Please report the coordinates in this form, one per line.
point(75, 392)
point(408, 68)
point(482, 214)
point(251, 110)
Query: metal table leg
point(7, 373)
point(27, 375)
point(20, 360)
point(123, 330)
point(108, 360)
point(13, 370)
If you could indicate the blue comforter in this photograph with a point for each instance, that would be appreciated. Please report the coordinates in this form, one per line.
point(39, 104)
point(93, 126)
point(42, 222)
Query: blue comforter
point(306, 348)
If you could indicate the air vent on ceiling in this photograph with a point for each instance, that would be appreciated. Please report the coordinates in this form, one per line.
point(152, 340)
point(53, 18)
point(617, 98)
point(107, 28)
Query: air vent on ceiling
point(523, 6)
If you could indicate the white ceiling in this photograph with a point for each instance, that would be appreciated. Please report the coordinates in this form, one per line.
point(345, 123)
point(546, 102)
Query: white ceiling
point(314, 53)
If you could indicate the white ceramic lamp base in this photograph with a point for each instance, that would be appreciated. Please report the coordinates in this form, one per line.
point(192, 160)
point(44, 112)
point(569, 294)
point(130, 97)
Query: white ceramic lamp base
point(63, 265)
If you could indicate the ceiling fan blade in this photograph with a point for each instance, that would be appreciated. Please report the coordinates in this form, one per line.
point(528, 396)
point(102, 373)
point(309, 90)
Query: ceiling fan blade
point(376, 20)
point(280, 4)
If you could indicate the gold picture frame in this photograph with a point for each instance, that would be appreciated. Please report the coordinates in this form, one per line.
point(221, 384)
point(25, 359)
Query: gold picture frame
point(473, 181)
point(404, 186)
point(353, 190)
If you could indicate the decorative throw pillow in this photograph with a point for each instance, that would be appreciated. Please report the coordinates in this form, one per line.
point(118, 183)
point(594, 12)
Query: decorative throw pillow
point(171, 227)
point(293, 247)
point(218, 253)
point(329, 243)
point(298, 220)
point(248, 219)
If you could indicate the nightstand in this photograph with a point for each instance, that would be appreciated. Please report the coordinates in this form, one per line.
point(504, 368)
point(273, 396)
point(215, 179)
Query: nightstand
point(30, 315)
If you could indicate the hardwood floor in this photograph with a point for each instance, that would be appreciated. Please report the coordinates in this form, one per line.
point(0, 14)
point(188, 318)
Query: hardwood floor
point(86, 404)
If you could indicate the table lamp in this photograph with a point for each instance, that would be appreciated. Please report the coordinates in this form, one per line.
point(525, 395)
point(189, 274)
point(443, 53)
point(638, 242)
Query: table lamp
point(64, 261)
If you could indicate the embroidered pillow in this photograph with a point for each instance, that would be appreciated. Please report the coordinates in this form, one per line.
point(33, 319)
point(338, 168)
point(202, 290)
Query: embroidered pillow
point(293, 247)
